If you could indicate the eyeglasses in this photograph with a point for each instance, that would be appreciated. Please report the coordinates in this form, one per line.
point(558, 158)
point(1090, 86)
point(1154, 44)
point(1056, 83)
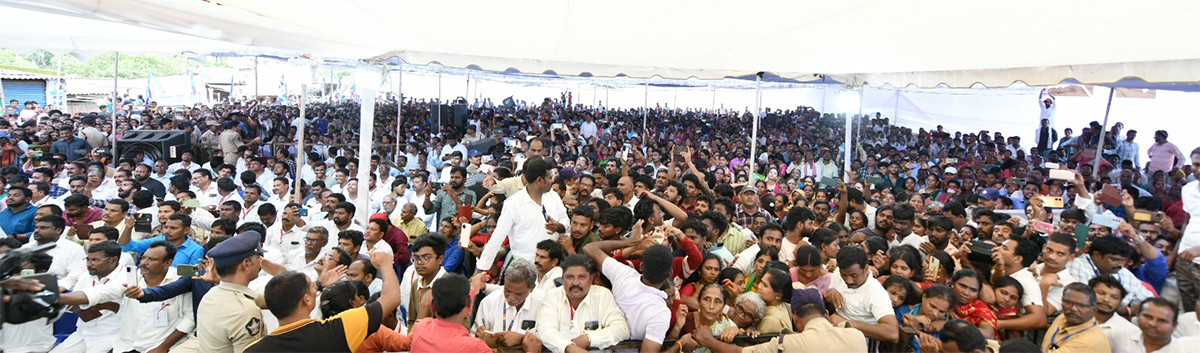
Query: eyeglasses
point(311, 240)
point(98, 260)
point(423, 259)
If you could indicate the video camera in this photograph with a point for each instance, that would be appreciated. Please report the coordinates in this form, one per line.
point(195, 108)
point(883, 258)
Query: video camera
point(21, 306)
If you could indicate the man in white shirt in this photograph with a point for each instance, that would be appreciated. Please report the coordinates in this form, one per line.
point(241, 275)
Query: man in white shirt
point(579, 316)
point(505, 317)
point(287, 235)
point(185, 163)
point(99, 324)
point(588, 128)
point(1109, 294)
point(1157, 321)
point(155, 325)
point(864, 302)
point(206, 190)
point(251, 200)
point(531, 215)
point(550, 254)
point(640, 296)
point(68, 256)
point(1052, 273)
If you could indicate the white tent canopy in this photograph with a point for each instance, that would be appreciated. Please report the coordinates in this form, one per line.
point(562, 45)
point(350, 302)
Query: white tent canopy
point(861, 41)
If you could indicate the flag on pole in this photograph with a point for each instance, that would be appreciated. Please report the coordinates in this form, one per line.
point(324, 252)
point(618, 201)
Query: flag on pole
point(283, 94)
point(149, 92)
point(192, 95)
point(231, 76)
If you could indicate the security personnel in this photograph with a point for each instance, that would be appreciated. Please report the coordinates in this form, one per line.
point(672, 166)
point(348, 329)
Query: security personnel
point(228, 319)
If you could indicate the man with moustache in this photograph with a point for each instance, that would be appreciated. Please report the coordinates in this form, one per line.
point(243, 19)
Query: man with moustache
point(1076, 330)
point(549, 255)
point(505, 317)
point(579, 316)
point(1109, 294)
point(1052, 273)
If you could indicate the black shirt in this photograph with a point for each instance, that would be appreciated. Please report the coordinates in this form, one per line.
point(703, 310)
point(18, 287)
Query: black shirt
point(342, 333)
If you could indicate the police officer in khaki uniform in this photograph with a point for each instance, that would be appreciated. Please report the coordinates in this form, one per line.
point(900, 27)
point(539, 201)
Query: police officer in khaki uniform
point(228, 319)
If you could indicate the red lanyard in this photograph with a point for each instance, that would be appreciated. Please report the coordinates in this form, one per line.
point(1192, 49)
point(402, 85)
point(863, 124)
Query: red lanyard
point(103, 281)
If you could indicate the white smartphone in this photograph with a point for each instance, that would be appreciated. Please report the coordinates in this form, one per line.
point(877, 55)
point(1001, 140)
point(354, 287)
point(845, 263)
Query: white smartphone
point(464, 237)
point(131, 276)
point(1060, 174)
point(625, 152)
point(1051, 165)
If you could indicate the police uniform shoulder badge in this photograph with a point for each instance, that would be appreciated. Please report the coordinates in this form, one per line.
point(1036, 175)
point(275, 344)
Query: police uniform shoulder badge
point(254, 327)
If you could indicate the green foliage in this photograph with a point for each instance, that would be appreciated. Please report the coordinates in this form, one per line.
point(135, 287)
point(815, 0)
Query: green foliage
point(10, 58)
point(131, 66)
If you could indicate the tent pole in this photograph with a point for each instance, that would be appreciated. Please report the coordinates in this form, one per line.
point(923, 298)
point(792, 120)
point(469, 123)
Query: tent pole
point(365, 140)
point(116, 65)
point(399, 111)
point(300, 155)
point(1103, 129)
point(714, 102)
point(645, 109)
point(256, 78)
point(754, 131)
point(846, 156)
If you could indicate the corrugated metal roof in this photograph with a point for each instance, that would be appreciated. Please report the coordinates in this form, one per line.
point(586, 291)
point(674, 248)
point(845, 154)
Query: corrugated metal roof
point(22, 75)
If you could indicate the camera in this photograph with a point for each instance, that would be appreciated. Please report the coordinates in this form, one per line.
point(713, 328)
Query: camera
point(24, 306)
point(981, 252)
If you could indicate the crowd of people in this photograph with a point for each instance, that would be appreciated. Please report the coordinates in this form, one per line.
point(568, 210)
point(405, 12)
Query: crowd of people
point(560, 227)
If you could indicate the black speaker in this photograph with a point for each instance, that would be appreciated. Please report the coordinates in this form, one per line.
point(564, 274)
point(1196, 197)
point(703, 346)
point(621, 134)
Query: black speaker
point(167, 145)
point(460, 115)
point(440, 114)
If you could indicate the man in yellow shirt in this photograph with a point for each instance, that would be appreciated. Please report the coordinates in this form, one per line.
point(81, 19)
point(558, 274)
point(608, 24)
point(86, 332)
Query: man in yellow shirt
point(409, 223)
point(1076, 330)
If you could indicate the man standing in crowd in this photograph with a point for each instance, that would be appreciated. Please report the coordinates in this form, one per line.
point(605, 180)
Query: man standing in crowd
point(531, 215)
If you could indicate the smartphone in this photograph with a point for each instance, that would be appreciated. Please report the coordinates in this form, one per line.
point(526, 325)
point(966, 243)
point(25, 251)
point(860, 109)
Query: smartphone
point(464, 237)
point(1081, 235)
point(677, 153)
point(192, 203)
point(625, 152)
point(828, 182)
point(1143, 216)
point(528, 324)
point(303, 212)
point(27, 272)
point(1052, 201)
point(188, 270)
point(464, 211)
point(1043, 227)
point(130, 275)
point(1018, 181)
point(556, 126)
point(1051, 165)
point(142, 224)
point(1107, 220)
point(935, 264)
point(1109, 196)
point(951, 160)
point(874, 180)
point(1059, 174)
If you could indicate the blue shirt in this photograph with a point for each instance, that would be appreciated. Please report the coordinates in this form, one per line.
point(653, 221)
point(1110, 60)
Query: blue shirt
point(189, 253)
point(452, 259)
point(19, 222)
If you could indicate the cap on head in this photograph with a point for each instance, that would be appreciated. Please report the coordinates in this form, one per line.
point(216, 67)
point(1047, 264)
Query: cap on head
point(236, 249)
